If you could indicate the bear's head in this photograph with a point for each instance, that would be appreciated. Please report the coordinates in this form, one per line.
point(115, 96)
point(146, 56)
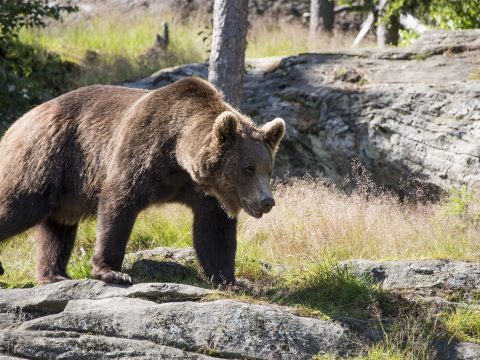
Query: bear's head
point(235, 163)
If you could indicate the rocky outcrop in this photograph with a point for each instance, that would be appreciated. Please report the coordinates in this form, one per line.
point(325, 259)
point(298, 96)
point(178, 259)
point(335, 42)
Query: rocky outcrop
point(409, 115)
point(445, 283)
point(84, 319)
point(438, 285)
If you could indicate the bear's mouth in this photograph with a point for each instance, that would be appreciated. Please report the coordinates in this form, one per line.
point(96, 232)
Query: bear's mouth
point(250, 211)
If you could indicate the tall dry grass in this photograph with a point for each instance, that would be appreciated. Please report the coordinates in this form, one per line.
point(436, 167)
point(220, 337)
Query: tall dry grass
point(313, 219)
point(283, 38)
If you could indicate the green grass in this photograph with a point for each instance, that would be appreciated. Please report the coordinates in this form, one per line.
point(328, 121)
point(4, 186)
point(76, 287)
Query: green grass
point(464, 325)
point(109, 54)
point(154, 227)
point(331, 289)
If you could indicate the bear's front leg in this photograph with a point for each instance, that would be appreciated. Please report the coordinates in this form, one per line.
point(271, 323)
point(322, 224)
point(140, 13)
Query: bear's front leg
point(115, 221)
point(215, 241)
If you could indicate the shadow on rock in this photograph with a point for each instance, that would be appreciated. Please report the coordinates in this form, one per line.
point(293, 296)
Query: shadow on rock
point(147, 270)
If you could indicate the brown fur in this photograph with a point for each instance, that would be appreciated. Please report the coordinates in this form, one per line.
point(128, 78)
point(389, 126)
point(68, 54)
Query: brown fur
point(112, 151)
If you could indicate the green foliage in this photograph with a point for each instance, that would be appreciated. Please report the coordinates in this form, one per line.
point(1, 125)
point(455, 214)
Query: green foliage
point(443, 14)
point(15, 14)
point(463, 203)
point(28, 74)
point(407, 37)
point(464, 324)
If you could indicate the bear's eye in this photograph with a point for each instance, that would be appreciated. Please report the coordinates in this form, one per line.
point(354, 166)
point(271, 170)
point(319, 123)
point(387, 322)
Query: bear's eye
point(249, 170)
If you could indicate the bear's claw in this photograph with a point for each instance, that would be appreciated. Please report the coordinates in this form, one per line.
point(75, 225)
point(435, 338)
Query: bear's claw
point(113, 277)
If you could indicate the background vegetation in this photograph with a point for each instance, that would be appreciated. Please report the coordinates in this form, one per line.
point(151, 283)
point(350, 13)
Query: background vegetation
point(41, 57)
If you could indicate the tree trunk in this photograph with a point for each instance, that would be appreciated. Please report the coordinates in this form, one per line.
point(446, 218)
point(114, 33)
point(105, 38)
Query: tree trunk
point(387, 33)
point(314, 19)
point(327, 13)
point(227, 57)
point(322, 16)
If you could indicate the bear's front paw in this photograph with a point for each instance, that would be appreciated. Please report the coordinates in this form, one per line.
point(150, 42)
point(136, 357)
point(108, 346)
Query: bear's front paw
point(112, 277)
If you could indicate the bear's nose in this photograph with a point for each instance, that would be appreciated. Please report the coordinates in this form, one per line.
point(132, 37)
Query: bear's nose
point(267, 204)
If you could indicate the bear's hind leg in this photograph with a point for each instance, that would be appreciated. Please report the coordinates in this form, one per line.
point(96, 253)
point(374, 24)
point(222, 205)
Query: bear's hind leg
point(19, 212)
point(54, 246)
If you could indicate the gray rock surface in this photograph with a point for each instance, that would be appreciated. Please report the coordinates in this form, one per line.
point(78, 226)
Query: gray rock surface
point(86, 319)
point(410, 113)
point(54, 297)
point(458, 351)
point(161, 264)
point(445, 284)
point(420, 274)
point(90, 319)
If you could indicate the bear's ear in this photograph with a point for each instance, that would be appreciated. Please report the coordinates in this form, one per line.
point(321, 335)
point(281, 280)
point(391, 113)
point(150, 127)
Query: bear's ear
point(274, 130)
point(225, 126)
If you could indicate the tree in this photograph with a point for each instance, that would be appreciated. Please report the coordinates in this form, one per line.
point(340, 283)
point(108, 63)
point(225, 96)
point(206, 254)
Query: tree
point(387, 28)
point(15, 14)
point(443, 14)
point(28, 75)
point(227, 57)
point(322, 15)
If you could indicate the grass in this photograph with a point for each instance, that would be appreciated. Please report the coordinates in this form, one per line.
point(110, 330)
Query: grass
point(313, 220)
point(464, 324)
point(313, 223)
point(107, 53)
point(285, 39)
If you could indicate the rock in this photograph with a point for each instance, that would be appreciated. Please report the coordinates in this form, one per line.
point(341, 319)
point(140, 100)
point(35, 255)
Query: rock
point(184, 255)
point(162, 264)
point(86, 319)
point(73, 345)
point(425, 277)
point(410, 115)
point(458, 351)
point(19, 305)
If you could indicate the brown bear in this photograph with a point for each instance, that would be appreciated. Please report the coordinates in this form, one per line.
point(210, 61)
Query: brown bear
point(112, 151)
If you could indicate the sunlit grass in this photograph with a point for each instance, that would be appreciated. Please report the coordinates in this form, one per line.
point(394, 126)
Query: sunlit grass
point(311, 222)
point(108, 53)
point(285, 39)
point(464, 325)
